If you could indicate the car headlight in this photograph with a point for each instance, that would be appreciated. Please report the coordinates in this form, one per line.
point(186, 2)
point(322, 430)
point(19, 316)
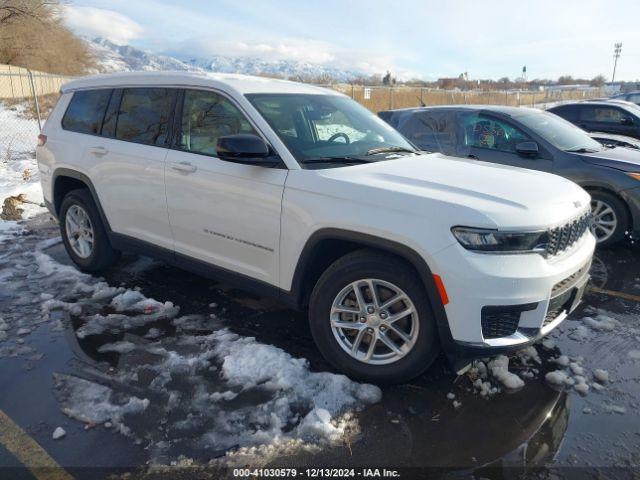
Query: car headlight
point(487, 240)
point(634, 175)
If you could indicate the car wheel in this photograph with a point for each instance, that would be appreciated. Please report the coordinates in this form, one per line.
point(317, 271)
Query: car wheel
point(83, 233)
point(610, 220)
point(371, 318)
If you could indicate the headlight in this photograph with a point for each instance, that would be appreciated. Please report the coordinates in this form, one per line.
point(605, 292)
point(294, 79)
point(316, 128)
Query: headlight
point(485, 240)
point(634, 175)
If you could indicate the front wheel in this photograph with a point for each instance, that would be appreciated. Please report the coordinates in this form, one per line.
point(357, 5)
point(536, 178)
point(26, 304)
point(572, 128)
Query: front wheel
point(371, 318)
point(610, 220)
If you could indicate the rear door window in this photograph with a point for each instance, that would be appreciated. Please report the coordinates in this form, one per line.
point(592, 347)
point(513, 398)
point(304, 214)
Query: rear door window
point(432, 131)
point(86, 111)
point(145, 114)
point(568, 112)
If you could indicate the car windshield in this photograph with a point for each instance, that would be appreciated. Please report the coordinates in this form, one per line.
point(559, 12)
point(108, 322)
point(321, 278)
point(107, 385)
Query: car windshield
point(329, 128)
point(559, 132)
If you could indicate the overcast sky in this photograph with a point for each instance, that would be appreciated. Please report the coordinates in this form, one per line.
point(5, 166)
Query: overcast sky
point(421, 38)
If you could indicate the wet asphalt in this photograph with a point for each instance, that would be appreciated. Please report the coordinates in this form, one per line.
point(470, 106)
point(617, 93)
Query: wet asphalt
point(537, 429)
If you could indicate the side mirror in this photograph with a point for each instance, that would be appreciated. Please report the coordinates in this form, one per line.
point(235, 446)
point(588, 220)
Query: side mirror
point(527, 149)
point(247, 149)
point(626, 121)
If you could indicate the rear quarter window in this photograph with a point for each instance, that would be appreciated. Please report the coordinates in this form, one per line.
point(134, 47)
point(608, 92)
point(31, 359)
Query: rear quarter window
point(86, 111)
point(568, 112)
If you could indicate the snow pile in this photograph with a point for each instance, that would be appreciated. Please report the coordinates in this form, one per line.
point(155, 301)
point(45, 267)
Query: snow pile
point(499, 368)
point(204, 387)
point(574, 375)
point(134, 301)
point(18, 168)
point(601, 322)
point(634, 354)
point(91, 403)
point(248, 364)
point(117, 347)
point(219, 391)
point(491, 376)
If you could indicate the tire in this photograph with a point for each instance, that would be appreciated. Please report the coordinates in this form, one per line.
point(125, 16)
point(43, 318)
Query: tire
point(100, 255)
point(388, 273)
point(607, 208)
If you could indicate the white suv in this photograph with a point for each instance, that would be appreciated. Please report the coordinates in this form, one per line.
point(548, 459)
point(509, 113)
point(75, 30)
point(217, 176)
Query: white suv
point(299, 192)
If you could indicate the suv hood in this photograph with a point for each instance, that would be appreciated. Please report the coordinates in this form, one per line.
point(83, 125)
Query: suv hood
point(620, 158)
point(466, 192)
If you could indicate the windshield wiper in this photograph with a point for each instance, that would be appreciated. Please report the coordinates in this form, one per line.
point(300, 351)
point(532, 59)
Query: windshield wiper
point(340, 159)
point(581, 150)
point(375, 151)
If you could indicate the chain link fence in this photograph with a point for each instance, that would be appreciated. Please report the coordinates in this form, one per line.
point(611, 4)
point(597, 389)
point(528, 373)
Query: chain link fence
point(26, 98)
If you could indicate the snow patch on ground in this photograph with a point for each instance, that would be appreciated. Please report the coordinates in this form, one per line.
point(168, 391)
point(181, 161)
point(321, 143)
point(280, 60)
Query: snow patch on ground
point(491, 376)
point(247, 364)
point(204, 386)
point(601, 322)
point(92, 403)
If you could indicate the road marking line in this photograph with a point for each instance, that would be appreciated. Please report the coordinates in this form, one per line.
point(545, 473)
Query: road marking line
point(613, 293)
point(27, 450)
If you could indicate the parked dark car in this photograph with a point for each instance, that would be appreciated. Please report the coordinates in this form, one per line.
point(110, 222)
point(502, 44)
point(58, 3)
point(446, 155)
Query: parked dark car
point(617, 117)
point(537, 140)
point(615, 140)
point(629, 97)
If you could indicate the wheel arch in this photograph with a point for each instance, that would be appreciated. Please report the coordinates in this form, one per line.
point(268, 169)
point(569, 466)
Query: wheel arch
point(633, 221)
point(65, 180)
point(327, 245)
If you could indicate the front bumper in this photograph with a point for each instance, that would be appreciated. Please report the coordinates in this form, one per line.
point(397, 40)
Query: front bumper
point(504, 302)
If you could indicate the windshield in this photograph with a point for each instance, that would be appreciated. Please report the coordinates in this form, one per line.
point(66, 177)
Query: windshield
point(559, 132)
point(317, 128)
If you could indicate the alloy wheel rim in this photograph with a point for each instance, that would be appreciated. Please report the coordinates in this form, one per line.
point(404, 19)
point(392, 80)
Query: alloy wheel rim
point(374, 321)
point(79, 231)
point(604, 220)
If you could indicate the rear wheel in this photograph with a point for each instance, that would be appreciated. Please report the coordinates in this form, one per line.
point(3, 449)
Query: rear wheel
point(610, 219)
point(83, 233)
point(371, 318)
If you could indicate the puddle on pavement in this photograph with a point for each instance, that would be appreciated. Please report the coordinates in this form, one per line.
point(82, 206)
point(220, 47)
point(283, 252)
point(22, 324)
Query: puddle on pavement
point(162, 383)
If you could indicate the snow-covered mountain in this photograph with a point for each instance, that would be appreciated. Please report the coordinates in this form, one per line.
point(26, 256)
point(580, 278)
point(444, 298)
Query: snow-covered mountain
point(125, 58)
point(119, 58)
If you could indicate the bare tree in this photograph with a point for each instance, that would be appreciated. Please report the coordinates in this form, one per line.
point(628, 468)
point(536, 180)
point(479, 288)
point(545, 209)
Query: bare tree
point(32, 35)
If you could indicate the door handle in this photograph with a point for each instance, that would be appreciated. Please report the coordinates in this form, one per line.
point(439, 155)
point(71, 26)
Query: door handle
point(99, 151)
point(184, 167)
point(472, 157)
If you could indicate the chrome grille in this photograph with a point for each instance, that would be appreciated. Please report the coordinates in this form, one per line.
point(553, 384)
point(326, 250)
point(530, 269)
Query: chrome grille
point(561, 238)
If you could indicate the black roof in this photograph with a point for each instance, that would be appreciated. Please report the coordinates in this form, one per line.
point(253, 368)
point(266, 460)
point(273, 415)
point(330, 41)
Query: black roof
point(600, 103)
point(503, 109)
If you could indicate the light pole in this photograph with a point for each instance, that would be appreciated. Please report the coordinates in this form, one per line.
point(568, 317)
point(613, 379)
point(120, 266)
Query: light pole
point(617, 48)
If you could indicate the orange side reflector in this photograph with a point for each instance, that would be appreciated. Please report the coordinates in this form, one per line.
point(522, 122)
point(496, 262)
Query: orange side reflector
point(441, 290)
